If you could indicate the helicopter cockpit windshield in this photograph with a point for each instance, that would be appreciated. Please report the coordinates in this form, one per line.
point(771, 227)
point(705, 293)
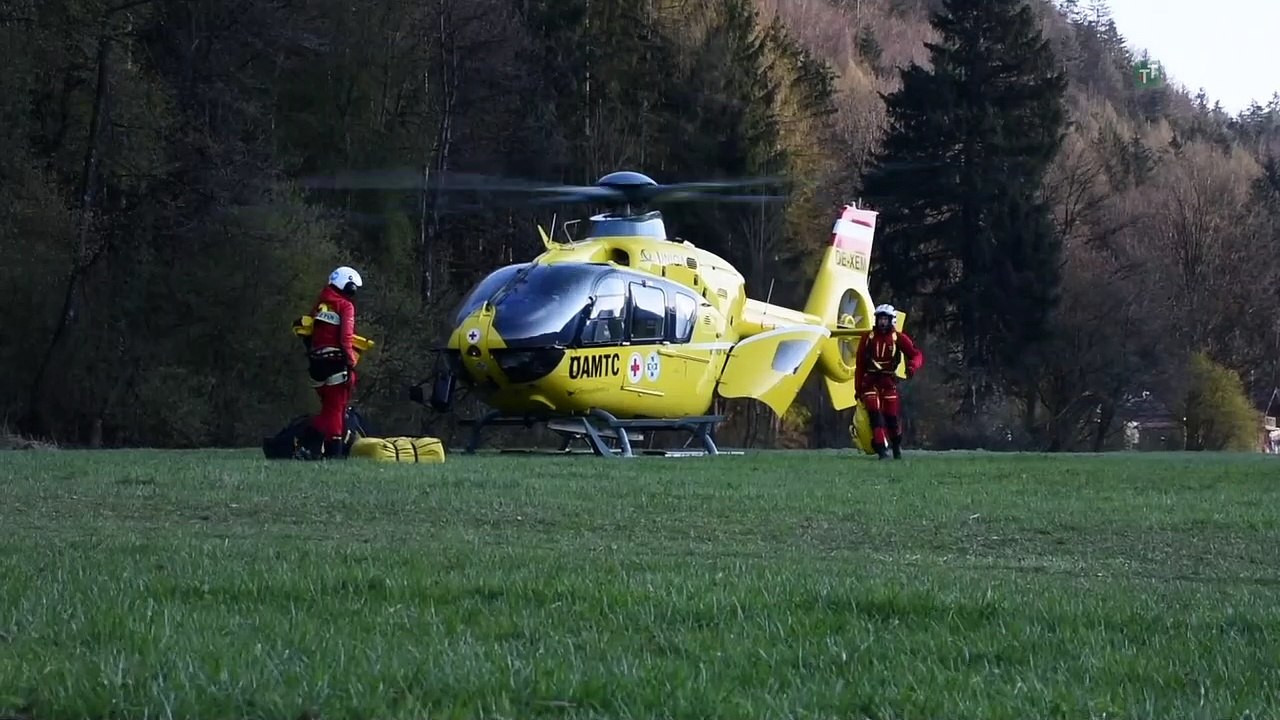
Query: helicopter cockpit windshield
point(542, 308)
point(492, 283)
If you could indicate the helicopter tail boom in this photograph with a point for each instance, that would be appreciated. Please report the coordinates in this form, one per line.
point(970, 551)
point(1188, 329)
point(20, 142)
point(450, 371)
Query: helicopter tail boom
point(761, 317)
point(841, 300)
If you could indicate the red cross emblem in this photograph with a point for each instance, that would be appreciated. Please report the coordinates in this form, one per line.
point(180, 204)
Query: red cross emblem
point(634, 367)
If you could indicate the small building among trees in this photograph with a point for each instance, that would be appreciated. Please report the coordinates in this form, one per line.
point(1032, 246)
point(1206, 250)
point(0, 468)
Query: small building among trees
point(1150, 425)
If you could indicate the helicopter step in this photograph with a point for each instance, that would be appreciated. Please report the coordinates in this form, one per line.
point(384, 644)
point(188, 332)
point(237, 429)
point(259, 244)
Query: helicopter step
point(577, 430)
point(581, 427)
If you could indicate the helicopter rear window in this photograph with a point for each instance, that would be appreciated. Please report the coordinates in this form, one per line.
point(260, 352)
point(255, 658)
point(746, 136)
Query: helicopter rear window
point(544, 306)
point(686, 314)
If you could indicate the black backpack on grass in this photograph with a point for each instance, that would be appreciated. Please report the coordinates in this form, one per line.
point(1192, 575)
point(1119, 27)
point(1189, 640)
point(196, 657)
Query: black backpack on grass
point(285, 444)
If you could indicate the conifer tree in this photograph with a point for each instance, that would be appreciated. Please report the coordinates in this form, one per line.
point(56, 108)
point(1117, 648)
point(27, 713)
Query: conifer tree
point(967, 240)
point(721, 122)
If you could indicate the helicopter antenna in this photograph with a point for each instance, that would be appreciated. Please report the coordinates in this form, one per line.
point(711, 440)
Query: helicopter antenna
point(769, 296)
point(565, 229)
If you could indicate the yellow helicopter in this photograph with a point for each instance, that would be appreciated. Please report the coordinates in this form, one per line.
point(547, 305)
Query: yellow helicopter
point(633, 329)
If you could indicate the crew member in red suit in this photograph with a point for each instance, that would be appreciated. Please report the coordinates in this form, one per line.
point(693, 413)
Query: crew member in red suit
point(878, 356)
point(331, 362)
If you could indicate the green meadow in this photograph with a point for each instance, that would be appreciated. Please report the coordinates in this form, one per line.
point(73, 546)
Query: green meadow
point(772, 585)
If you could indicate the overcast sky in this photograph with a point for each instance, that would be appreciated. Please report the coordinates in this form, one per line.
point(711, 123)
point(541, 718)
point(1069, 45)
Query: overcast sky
point(1231, 48)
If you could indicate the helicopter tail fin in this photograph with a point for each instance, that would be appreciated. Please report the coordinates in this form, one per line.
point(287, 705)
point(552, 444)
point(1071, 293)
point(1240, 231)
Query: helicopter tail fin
point(841, 298)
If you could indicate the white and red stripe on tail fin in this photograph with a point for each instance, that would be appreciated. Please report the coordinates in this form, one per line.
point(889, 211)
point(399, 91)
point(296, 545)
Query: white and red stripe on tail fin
point(854, 230)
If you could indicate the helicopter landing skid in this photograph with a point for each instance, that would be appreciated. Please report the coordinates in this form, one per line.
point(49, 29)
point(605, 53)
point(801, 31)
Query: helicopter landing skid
point(580, 427)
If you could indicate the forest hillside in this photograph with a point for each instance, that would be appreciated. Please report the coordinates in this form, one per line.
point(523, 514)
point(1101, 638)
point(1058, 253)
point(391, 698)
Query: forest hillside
point(160, 230)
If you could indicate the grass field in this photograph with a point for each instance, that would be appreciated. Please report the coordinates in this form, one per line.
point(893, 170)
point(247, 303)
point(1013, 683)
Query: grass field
point(217, 585)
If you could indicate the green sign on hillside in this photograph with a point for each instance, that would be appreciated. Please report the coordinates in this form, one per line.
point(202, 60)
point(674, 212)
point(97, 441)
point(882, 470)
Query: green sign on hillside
point(1148, 73)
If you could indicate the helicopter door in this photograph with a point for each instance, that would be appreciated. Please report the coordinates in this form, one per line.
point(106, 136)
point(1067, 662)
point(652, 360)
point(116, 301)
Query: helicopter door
point(644, 370)
point(606, 322)
point(772, 366)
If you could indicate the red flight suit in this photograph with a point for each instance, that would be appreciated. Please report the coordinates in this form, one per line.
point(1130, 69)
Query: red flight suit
point(878, 355)
point(332, 360)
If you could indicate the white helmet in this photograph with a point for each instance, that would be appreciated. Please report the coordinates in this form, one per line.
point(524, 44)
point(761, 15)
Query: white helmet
point(345, 279)
point(886, 309)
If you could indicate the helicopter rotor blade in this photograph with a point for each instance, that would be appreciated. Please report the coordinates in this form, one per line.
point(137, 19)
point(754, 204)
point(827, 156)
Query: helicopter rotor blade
point(490, 184)
point(518, 192)
point(708, 191)
point(414, 179)
point(733, 199)
point(403, 179)
point(722, 184)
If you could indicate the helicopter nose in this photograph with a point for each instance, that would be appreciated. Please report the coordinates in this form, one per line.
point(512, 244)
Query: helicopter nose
point(528, 365)
point(477, 363)
point(473, 341)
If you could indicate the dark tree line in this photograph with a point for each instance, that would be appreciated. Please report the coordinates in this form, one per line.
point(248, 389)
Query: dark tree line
point(165, 213)
point(162, 221)
point(1076, 240)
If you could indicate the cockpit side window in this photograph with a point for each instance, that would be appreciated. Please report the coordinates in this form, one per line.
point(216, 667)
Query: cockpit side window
point(605, 323)
point(648, 313)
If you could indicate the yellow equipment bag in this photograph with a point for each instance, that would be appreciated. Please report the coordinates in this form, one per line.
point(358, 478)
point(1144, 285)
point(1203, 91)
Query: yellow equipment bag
point(399, 449)
point(860, 430)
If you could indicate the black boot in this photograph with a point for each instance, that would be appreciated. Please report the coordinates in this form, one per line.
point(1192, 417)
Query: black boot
point(897, 448)
point(334, 449)
point(883, 452)
point(310, 445)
